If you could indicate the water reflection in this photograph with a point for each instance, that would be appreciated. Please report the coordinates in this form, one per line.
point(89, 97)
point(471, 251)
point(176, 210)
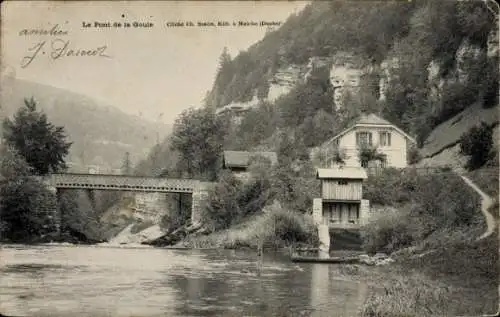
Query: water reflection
point(93, 281)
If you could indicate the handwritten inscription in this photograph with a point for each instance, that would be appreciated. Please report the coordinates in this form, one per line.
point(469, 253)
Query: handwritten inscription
point(55, 30)
point(59, 49)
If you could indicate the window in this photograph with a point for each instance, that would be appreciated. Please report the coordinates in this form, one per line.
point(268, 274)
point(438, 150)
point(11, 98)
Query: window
point(353, 216)
point(385, 138)
point(363, 138)
point(342, 182)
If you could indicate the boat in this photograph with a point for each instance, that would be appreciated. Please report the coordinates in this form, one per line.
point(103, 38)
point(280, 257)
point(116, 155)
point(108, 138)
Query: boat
point(315, 259)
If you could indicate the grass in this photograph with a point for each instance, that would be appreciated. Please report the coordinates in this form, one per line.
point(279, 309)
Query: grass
point(441, 269)
point(487, 179)
point(438, 278)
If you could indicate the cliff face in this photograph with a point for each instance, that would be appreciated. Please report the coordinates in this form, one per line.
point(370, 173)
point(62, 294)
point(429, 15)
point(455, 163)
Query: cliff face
point(430, 68)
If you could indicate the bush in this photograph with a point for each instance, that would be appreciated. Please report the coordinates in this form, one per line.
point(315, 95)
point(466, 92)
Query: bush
point(222, 209)
point(413, 155)
point(477, 143)
point(390, 188)
point(389, 232)
point(427, 203)
point(27, 208)
point(291, 227)
point(276, 228)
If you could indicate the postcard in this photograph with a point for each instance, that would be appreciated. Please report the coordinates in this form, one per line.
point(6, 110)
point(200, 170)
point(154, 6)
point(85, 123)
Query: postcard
point(249, 158)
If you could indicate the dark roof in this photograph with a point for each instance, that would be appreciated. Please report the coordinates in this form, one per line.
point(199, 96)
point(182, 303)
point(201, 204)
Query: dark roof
point(242, 158)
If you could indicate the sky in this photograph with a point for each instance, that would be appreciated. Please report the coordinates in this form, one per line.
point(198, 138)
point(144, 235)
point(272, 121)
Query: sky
point(155, 72)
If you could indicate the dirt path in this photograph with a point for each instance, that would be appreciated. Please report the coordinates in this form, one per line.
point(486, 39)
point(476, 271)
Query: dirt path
point(486, 203)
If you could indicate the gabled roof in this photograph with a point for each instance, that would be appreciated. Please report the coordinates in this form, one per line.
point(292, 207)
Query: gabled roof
point(345, 172)
point(372, 120)
point(242, 158)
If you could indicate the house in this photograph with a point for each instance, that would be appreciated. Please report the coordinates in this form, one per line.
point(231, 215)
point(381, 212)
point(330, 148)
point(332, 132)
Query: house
point(341, 205)
point(239, 161)
point(371, 132)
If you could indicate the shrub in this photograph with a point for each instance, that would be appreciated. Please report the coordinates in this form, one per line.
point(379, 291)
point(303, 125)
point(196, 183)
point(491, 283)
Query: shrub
point(291, 227)
point(28, 208)
point(427, 203)
point(276, 228)
point(413, 155)
point(222, 207)
point(367, 154)
point(390, 231)
point(477, 143)
point(391, 187)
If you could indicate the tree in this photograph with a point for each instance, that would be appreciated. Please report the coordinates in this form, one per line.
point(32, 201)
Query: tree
point(126, 167)
point(477, 143)
point(26, 206)
point(42, 145)
point(198, 137)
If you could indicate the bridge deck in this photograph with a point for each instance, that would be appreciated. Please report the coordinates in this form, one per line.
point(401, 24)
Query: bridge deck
point(123, 183)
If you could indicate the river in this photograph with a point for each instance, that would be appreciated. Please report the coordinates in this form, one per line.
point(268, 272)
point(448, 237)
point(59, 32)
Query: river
point(59, 280)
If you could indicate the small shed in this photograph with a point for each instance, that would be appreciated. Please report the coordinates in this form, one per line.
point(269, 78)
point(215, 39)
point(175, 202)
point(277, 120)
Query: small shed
point(239, 161)
point(341, 204)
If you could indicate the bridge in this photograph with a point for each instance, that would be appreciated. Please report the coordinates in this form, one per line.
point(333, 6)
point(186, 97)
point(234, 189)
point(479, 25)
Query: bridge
point(145, 189)
point(123, 183)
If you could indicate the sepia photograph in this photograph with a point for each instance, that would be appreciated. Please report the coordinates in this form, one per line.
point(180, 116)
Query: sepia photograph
point(249, 158)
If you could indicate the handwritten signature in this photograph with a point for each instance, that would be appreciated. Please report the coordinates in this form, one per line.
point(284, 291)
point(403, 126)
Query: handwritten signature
point(60, 49)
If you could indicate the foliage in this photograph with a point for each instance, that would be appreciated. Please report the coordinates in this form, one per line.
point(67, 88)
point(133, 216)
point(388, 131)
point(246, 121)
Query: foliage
point(276, 228)
point(390, 231)
point(305, 100)
point(408, 296)
point(198, 137)
point(367, 154)
point(427, 203)
point(487, 178)
point(42, 145)
point(413, 155)
point(257, 125)
point(222, 207)
point(26, 209)
point(232, 200)
point(318, 128)
point(477, 144)
point(80, 214)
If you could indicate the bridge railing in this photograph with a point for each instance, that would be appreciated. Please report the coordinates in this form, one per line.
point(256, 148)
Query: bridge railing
point(122, 182)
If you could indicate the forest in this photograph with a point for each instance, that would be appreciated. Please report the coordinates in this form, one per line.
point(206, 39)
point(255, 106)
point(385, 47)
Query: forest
point(448, 35)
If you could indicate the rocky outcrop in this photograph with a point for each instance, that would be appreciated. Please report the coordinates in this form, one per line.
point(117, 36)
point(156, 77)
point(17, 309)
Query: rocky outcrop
point(175, 236)
point(283, 81)
point(376, 260)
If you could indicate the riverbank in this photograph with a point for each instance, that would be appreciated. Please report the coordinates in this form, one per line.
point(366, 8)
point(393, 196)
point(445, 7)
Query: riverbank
point(448, 274)
point(274, 229)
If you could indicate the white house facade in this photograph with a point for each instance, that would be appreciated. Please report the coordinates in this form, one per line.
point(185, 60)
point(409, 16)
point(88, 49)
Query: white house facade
point(373, 132)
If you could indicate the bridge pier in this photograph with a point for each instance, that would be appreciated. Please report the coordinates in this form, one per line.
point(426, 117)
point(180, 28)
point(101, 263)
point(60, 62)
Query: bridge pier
point(199, 195)
point(92, 198)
